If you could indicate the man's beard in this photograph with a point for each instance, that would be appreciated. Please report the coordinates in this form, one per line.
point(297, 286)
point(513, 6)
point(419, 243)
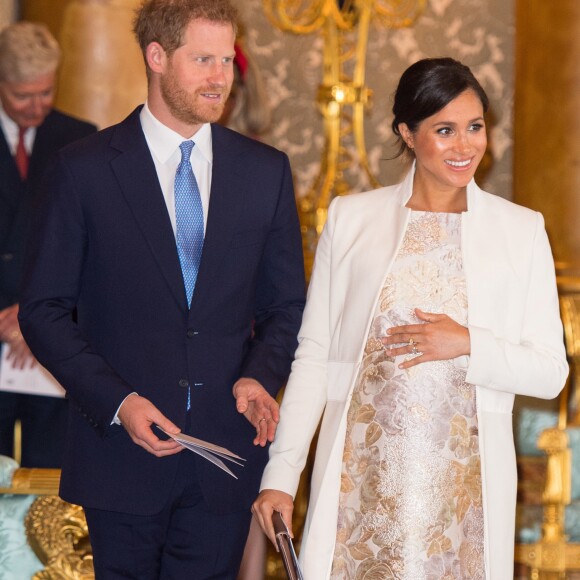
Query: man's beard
point(186, 107)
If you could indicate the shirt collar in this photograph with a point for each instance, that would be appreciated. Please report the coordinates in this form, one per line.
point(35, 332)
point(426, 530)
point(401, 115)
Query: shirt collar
point(164, 141)
point(12, 132)
point(9, 127)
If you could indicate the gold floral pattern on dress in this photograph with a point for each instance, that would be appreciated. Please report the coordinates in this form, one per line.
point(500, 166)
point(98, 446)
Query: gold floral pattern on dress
point(425, 233)
point(411, 497)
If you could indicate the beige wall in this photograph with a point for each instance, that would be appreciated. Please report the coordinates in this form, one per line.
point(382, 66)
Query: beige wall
point(7, 12)
point(102, 76)
point(547, 153)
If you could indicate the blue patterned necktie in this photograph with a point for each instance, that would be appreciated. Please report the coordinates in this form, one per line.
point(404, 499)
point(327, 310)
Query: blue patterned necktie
point(188, 220)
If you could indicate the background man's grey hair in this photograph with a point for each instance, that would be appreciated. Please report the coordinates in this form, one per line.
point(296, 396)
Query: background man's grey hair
point(27, 51)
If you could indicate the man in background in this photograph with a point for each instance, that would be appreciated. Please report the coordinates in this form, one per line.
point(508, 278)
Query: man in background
point(176, 243)
point(31, 131)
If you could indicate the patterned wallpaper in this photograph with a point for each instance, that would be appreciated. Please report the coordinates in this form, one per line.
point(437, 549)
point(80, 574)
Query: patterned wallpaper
point(480, 33)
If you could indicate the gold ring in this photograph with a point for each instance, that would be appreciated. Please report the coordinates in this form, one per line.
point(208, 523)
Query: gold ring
point(262, 419)
point(411, 342)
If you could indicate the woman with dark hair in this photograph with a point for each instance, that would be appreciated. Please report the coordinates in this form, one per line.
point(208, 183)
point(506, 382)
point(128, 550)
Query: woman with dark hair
point(432, 303)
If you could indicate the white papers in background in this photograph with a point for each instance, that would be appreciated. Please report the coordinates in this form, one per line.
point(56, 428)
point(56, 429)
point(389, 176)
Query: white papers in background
point(207, 450)
point(31, 381)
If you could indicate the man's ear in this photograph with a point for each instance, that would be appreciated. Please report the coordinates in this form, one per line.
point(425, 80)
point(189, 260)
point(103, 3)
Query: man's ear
point(406, 135)
point(156, 57)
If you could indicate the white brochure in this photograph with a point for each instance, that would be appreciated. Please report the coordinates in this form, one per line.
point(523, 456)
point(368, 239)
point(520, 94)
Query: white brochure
point(207, 450)
point(31, 381)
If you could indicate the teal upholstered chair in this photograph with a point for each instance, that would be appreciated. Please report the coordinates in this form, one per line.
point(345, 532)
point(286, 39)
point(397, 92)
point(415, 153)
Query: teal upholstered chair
point(530, 425)
point(17, 559)
point(41, 536)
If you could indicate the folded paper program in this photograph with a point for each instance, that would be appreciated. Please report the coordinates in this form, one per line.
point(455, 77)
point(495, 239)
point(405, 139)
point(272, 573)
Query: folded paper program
point(34, 380)
point(209, 451)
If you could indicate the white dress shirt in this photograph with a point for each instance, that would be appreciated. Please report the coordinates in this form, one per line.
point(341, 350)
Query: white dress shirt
point(164, 144)
point(12, 132)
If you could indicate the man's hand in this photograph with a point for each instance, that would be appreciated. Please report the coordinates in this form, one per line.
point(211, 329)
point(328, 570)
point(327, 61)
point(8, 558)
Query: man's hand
point(264, 506)
point(258, 407)
point(19, 354)
point(137, 415)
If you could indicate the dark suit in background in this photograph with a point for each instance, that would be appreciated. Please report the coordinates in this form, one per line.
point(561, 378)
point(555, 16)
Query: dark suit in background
point(43, 418)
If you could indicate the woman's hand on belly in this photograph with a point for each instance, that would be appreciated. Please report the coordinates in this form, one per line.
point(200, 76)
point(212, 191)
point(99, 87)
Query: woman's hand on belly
point(439, 337)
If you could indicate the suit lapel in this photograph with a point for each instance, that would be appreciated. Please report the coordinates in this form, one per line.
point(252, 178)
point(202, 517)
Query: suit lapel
point(11, 187)
point(43, 146)
point(135, 171)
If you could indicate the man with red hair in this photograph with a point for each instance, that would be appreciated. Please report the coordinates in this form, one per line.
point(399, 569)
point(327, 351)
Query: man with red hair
point(165, 289)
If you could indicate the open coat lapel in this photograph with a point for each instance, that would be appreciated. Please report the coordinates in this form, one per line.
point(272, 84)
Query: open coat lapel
point(365, 260)
point(135, 171)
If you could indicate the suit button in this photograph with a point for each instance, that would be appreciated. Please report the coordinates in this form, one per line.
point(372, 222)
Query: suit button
point(7, 257)
point(183, 383)
point(191, 333)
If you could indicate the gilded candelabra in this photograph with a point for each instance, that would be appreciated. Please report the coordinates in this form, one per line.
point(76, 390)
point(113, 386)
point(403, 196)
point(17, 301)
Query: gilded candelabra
point(553, 555)
point(342, 97)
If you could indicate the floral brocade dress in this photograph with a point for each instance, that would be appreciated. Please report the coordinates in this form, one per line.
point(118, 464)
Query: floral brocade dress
point(411, 497)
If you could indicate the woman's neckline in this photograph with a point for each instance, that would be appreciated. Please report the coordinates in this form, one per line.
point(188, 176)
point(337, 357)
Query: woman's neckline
point(436, 212)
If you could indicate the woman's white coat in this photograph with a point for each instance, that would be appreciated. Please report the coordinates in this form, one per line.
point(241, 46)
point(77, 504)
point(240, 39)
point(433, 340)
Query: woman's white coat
point(516, 348)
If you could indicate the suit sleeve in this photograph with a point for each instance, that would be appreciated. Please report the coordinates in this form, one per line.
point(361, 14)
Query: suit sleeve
point(306, 393)
point(279, 295)
point(50, 291)
point(535, 366)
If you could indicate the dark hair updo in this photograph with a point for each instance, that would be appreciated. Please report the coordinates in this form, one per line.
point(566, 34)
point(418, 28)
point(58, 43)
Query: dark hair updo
point(428, 86)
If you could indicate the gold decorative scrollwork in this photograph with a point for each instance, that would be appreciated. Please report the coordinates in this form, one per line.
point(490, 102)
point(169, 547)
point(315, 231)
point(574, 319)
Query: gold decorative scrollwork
point(306, 16)
point(57, 532)
point(554, 555)
point(343, 97)
point(396, 13)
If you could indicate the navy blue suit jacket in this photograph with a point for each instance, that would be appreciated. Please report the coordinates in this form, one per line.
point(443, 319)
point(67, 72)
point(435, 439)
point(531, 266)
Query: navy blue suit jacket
point(56, 131)
point(103, 244)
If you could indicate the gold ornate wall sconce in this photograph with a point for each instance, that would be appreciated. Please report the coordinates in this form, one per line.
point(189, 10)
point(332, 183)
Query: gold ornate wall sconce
point(343, 96)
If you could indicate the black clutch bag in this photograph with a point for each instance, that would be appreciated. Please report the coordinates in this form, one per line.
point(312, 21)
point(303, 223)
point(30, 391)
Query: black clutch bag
point(286, 548)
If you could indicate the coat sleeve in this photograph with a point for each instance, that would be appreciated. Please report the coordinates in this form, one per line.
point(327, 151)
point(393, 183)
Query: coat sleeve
point(536, 365)
point(50, 291)
point(280, 294)
point(306, 393)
